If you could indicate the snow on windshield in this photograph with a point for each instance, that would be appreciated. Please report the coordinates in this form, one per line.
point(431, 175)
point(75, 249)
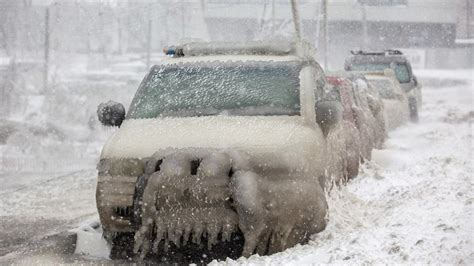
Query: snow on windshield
point(401, 70)
point(234, 88)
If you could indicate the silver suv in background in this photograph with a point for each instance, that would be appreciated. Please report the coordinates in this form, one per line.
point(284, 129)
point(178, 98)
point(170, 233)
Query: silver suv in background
point(389, 59)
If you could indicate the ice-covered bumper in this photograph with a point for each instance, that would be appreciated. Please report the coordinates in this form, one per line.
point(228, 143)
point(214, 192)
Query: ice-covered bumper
point(196, 194)
point(115, 190)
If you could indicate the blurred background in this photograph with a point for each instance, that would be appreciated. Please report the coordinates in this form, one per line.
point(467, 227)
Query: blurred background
point(60, 59)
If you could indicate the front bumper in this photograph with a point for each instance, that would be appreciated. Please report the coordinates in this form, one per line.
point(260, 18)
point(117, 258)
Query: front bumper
point(114, 198)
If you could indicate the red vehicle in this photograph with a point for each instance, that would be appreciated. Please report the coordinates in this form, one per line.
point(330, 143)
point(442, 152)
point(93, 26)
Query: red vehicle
point(343, 87)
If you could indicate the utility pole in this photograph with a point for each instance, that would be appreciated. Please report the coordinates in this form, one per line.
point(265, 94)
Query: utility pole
point(166, 26)
point(365, 34)
point(324, 33)
point(46, 51)
point(296, 19)
point(273, 18)
point(262, 20)
point(203, 7)
point(102, 32)
point(119, 26)
point(468, 19)
point(148, 45)
point(182, 18)
point(317, 41)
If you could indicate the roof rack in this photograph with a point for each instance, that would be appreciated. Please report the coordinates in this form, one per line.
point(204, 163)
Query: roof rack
point(386, 52)
point(393, 52)
point(224, 48)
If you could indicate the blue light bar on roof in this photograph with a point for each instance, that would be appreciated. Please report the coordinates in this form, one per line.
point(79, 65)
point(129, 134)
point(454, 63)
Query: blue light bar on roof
point(169, 51)
point(173, 51)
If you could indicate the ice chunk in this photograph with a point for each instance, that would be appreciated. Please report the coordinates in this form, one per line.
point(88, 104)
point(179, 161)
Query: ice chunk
point(90, 241)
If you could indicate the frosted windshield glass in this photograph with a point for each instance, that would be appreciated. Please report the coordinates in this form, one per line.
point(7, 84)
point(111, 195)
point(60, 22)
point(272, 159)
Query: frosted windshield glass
point(237, 88)
point(401, 70)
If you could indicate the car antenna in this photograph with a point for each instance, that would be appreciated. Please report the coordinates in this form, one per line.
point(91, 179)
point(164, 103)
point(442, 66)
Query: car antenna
point(296, 19)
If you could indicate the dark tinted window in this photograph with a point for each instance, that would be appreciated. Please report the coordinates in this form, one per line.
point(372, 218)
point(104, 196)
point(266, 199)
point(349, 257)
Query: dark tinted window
point(401, 70)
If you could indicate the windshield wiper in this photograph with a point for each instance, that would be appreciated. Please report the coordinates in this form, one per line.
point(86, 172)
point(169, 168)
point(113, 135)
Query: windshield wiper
point(264, 110)
point(191, 112)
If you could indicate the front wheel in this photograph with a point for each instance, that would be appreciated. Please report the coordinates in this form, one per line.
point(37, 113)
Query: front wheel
point(120, 243)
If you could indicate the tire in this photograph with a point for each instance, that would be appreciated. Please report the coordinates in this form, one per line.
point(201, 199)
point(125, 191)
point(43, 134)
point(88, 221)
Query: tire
point(353, 170)
point(151, 166)
point(120, 244)
point(140, 185)
point(413, 110)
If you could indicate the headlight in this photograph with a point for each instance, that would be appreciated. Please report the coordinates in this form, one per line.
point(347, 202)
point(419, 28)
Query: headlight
point(129, 167)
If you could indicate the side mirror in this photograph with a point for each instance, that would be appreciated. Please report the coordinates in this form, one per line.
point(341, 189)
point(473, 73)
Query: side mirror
point(328, 114)
point(111, 113)
point(415, 81)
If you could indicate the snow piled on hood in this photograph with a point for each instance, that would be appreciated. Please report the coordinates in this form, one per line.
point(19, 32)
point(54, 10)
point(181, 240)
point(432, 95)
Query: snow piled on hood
point(412, 204)
point(139, 138)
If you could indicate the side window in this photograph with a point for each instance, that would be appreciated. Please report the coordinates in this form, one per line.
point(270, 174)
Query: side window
point(361, 92)
point(360, 86)
point(332, 94)
point(321, 89)
point(320, 82)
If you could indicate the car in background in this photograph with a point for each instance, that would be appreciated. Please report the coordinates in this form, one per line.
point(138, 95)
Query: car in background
point(368, 112)
point(343, 89)
point(375, 104)
point(395, 100)
point(389, 59)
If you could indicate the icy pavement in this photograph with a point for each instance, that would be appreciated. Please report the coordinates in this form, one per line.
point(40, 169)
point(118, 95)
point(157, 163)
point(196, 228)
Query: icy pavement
point(42, 207)
point(412, 204)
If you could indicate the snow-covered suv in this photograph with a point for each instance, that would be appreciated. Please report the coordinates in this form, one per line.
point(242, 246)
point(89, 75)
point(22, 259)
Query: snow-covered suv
point(390, 59)
point(220, 141)
point(395, 101)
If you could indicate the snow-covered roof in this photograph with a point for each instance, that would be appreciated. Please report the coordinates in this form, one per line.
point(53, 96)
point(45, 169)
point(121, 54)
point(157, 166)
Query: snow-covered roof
point(374, 76)
point(234, 58)
point(278, 51)
point(239, 48)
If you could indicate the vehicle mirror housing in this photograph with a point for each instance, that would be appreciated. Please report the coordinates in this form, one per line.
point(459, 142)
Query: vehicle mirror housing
point(111, 113)
point(328, 114)
point(415, 81)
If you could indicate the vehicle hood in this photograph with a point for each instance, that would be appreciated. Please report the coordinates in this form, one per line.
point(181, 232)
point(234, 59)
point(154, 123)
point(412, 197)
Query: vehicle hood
point(140, 138)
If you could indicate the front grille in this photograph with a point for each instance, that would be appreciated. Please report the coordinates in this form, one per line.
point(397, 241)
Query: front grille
point(124, 212)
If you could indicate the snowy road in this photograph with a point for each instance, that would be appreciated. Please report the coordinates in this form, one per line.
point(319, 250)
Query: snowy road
point(30, 211)
point(413, 204)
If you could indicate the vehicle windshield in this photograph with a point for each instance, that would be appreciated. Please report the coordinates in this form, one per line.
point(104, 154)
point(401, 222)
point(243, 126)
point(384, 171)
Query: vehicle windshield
point(226, 88)
point(401, 70)
point(384, 87)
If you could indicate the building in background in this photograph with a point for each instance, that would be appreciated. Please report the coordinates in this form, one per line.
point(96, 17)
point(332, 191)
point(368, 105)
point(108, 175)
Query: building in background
point(465, 22)
point(430, 30)
point(437, 33)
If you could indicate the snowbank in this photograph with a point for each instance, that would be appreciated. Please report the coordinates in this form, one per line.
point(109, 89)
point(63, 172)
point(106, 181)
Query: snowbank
point(90, 241)
point(412, 204)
